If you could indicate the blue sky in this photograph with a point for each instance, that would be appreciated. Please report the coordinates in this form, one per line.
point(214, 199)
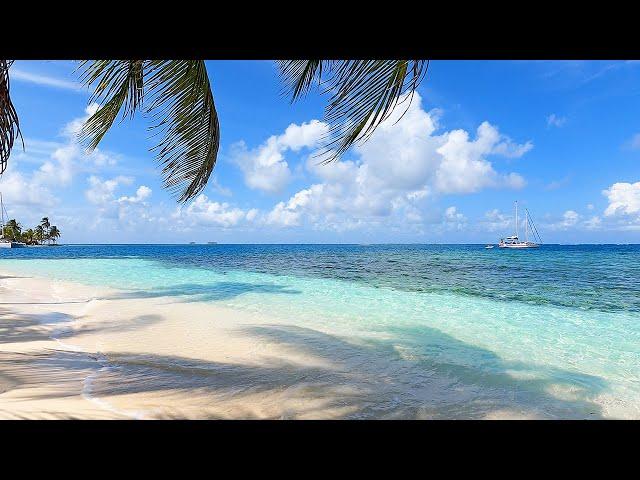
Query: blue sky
point(563, 138)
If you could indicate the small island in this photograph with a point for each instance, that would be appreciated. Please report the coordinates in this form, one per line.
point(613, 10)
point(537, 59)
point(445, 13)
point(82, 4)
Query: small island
point(42, 234)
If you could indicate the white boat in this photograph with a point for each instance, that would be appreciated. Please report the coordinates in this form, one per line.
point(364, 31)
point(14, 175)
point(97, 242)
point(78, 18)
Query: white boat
point(5, 242)
point(514, 241)
point(488, 246)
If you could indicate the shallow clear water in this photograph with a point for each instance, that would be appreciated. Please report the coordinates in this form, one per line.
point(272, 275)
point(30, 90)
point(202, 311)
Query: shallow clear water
point(561, 323)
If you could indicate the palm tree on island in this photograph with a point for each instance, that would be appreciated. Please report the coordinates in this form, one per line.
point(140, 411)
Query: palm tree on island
point(29, 236)
point(12, 230)
point(45, 227)
point(54, 233)
point(39, 234)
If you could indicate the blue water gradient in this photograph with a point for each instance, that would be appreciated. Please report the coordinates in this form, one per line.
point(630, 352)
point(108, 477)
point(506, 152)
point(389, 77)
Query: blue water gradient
point(563, 321)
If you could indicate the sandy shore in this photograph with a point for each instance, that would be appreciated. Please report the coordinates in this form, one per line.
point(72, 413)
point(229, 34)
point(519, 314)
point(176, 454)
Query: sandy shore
point(74, 351)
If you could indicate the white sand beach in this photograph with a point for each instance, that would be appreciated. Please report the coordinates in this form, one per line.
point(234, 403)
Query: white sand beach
point(74, 351)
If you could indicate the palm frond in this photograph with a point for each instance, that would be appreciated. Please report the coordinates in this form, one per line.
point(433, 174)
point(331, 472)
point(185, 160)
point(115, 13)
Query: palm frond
point(119, 83)
point(9, 122)
point(363, 94)
point(299, 75)
point(185, 114)
point(177, 94)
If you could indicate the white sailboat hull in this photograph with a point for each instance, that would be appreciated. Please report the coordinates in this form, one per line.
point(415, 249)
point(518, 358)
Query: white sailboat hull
point(11, 244)
point(519, 245)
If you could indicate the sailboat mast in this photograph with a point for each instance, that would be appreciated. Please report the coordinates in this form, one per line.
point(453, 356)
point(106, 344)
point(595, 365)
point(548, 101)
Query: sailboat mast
point(1, 217)
point(516, 218)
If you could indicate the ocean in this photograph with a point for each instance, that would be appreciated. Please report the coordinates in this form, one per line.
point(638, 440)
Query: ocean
point(554, 330)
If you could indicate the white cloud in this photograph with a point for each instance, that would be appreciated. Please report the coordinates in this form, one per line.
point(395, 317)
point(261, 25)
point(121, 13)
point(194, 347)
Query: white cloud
point(593, 223)
point(554, 120)
point(265, 167)
point(204, 212)
point(403, 165)
point(288, 214)
point(453, 219)
point(452, 214)
point(59, 164)
point(624, 199)
point(124, 212)
point(570, 218)
point(102, 192)
point(141, 195)
point(494, 220)
point(45, 80)
point(464, 168)
point(20, 189)
point(67, 159)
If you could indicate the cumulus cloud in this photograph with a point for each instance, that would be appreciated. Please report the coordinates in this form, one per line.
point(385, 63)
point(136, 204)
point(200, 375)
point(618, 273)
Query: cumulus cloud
point(20, 189)
point(593, 223)
point(141, 195)
point(570, 218)
point(624, 199)
point(101, 192)
point(59, 164)
point(453, 219)
point(205, 212)
point(464, 167)
point(117, 212)
point(70, 158)
point(265, 167)
point(494, 220)
point(393, 174)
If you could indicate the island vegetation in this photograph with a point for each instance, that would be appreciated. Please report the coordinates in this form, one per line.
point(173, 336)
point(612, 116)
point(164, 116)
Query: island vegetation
point(42, 234)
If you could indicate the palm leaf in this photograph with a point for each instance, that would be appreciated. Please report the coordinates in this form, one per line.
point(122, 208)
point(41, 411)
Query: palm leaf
point(119, 84)
point(363, 93)
point(9, 122)
point(180, 101)
point(299, 75)
point(185, 114)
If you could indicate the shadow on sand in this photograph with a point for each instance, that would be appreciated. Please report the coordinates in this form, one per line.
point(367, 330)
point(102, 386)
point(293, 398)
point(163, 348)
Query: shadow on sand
point(192, 292)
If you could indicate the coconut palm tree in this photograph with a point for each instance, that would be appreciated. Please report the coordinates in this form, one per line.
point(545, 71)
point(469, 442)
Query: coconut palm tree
point(40, 234)
point(45, 227)
point(29, 236)
point(12, 230)
point(54, 233)
point(176, 95)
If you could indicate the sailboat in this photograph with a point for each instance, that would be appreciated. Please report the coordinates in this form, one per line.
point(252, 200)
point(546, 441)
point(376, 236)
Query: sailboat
point(514, 241)
point(5, 242)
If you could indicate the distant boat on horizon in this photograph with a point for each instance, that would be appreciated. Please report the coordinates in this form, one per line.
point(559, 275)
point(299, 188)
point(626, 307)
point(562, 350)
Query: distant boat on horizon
point(514, 241)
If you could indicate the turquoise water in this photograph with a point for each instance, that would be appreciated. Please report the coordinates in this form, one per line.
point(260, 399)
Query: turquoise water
point(558, 326)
